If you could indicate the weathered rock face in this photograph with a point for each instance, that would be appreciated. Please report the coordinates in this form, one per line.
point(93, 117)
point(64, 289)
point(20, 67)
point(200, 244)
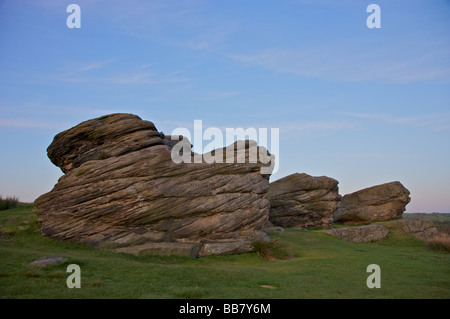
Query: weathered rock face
point(418, 227)
point(359, 234)
point(107, 136)
point(301, 200)
point(121, 189)
point(381, 202)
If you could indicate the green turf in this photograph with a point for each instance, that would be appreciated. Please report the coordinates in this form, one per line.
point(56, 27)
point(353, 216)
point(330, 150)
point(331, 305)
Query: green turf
point(321, 266)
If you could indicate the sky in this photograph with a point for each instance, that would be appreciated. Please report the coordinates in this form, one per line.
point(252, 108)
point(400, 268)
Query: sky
point(362, 105)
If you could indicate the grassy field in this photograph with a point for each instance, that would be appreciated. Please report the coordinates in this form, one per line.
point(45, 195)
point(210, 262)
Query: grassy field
point(321, 266)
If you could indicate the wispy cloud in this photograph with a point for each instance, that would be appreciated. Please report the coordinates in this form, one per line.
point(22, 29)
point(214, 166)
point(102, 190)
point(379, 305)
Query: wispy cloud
point(88, 67)
point(29, 124)
point(316, 126)
point(377, 116)
point(143, 78)
point(209, 39)
point(433, 121)
point(25, 114)
point(138, 78)
point(141, 75)
point(202, 43)
point(365, 155)
point(356, 62)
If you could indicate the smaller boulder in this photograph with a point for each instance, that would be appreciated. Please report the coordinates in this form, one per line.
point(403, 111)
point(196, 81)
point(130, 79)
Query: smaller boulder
point(418, 227)
point(48, 261)
point(381, 202)
point(359, 234)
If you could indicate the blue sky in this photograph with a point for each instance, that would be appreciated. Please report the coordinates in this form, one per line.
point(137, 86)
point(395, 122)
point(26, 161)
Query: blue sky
point(364, 106)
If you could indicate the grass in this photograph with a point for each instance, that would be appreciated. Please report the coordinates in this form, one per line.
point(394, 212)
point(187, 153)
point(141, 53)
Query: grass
point(320, 266)
point(8, 202)
point(440, 242)
point(271, 250)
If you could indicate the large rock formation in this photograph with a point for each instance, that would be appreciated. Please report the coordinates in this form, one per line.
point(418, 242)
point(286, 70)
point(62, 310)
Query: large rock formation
point(121, 190)
point(301, 200)
point(381, 202)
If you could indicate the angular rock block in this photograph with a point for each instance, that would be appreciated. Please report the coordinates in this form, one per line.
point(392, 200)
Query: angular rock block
point(381, 202)
point(418, 227)
point(122, 189)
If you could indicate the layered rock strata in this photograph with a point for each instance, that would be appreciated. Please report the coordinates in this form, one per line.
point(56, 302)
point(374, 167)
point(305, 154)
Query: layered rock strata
point(381, 202)
point(122, 190)
point(301, 200)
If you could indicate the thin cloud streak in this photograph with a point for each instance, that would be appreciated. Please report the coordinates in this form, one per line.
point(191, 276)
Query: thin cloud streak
point(137, 78)
point(319, 126)
point(433, 121)
point(88, 67)
point(356, 63)
point(27, 124)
